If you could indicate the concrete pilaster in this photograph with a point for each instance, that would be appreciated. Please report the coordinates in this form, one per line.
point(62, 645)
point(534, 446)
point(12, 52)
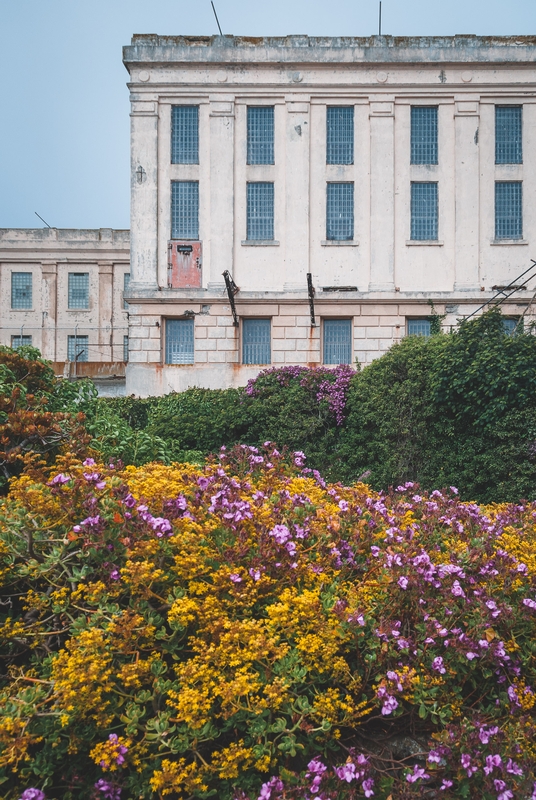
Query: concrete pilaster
point(467, 211)
point(49, 272)
point(221, 226)
point(382, 206)
point(144, 194)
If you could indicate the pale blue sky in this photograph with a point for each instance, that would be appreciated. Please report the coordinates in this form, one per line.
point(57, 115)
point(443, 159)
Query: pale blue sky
point(64, 125)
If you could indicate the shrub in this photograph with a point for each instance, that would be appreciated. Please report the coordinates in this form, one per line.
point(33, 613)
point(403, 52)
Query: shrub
point(244, 630)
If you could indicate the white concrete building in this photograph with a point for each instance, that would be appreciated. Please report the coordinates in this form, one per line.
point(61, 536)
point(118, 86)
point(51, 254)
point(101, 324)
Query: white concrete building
point(62, 292)
point(393, 171)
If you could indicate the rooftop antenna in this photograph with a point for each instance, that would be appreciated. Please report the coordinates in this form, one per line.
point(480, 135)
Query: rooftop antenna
point(217, 20)
point(42, 220)
point(380, 20)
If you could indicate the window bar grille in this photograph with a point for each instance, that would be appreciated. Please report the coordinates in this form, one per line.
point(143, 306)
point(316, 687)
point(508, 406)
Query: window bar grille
point(260, 211)
point(20, 341)
point(424, 212)
point(125, 348)
point(424, 149)
point(21, 290)
point(340, 135)
point(508, 134)
point(340, 211)
point(337, 341)
point(78, 290)
point(185, 210)
point(419, 327)
point(509, 210)
point(185, 135)
point(77, 348)
point(260, 135)
point(256, 341)
point(179, 341)
point(126, 285)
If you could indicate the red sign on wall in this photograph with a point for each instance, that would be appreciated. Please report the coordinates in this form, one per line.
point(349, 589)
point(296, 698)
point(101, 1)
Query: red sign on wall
point(184, 265)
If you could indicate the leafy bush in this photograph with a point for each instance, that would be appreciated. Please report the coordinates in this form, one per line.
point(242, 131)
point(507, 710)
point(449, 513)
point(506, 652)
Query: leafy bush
point(244, 630)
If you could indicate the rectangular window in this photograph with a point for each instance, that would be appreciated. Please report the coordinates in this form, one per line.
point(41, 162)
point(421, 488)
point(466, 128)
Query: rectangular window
point(78, 290)
point(179, 341)
point(424, 135)
point(340, 135)
point(185, 135)
point(126, 284)
point(508, 134)
point(21, 341)
point(125, 348)
point(337, 342)
point(512, 325)
point(256, 344)
point(424, 211)
point(260, 135)
point(419, 327)
point(509, 210)
point(340, 211)
point(260, 211)
point(185, 209)
point(21, 290)
point(77, 348)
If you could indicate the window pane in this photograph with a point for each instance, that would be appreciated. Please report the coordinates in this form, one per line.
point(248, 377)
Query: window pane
point(340, 211)
point(508, 134)
point(340, 135)
point(185, 135)
point(21, 341)
point(21, 290)
point(424, 134)
point(185, 210)
point(260, 134)
point(419, 327)
point(77, 348)
point(125, 348)
point(126, 284)
point(179, 341)
point(256, 341)
point(78, 290)
point(511, 325)
point(337, 341)
point(424, 211)
point(260, 211)
point(509, 210)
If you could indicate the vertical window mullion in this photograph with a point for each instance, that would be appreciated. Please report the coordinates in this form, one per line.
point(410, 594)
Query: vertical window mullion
point(185, 210)
point(340, 212)
point(185, 135)
point(340, 135)
point(424, 212)
point(424, 147)
point(260, 135)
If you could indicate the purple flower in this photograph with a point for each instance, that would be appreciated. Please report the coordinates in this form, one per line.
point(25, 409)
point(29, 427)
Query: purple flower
point(471, 655)
point(280, 533)
point(403, 582)
point(343, 505)
point(255, 574)
point(32, 794)
point(437, 664)
point(160, 525)
point(129, 501)
point(346, 772)
point(529, 603)
point(434, 756)
point(235, 577)
point(375, 551)
point(446, 784)
point(368, 787)
point(203, 483)
point(389, 705)
point(111, 792)
point(266, 788)
point(513, 768)
point(466, 764)
point(57, 480)
point(457, 590)
point(417, 774)
point(89, 462)
point(513, 696)
point(114, 575)
point(491, 763)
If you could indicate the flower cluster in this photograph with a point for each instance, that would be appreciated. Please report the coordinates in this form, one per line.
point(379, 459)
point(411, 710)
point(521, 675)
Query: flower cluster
point(247, 631)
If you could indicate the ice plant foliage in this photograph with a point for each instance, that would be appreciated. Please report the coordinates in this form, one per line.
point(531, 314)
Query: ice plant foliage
point(245, 631)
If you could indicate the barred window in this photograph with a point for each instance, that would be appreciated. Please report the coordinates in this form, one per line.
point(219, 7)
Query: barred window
point(512, 325)
point(424, 134)
point(77, 348)
point(424, 211)
point(509, 210)
point(185, 210)
point(340, 135)
point(179, 341)
point(337, 344)
point(260, 211)
point(126, 284)
point(21, 341)
point(260, 134)
point(185, 135)
point(256, 334)
point(78, 290)
point(419, 327)
point(125, 348)
point(340, 211)
point(21, 290)
point(508, 134)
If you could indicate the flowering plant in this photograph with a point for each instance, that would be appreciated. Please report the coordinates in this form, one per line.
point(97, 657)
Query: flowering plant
point(244, 630)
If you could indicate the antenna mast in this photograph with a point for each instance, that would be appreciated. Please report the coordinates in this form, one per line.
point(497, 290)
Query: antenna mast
point(380, 20)
point(217, 20)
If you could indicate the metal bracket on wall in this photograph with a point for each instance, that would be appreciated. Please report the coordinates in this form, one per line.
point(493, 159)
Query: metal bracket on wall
point(232, 289)
point(311, 293)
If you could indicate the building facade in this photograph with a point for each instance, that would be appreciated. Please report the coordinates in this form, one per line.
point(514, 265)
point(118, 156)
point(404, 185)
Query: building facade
point(62, 292)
